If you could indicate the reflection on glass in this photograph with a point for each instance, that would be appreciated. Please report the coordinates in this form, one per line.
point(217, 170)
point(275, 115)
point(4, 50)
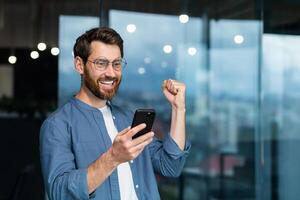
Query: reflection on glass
point(160, 49)
point(281, 72)
point(70, 27)
point(234, 64)
point(221, 95)
point(221, 92)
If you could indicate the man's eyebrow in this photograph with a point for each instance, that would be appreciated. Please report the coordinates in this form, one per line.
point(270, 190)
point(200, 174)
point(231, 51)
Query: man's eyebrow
point(103, 58)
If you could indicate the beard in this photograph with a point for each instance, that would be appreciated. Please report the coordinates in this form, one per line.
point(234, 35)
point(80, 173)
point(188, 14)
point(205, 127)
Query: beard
point(94, 86)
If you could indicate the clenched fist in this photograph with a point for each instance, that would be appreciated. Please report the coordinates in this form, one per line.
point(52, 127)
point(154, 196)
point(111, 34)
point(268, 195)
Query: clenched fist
point(174, 91)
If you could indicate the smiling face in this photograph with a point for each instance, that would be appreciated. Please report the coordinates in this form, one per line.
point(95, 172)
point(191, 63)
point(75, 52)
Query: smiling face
point(102, 83)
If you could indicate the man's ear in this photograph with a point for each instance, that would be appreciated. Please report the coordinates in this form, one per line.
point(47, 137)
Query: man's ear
point(78, 63)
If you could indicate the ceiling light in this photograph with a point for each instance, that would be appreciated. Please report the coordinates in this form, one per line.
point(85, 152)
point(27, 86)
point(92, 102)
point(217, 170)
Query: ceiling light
point(141, 70)
point(54, 51)
point(183, 18)
point(34, 54)
point(41, 46)
point(12, 59)
point(192, 51)
point(167, 49)
point(238, 39)
point(131, 28)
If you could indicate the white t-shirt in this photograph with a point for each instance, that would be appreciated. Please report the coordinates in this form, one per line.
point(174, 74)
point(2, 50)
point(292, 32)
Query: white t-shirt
point(126, 185)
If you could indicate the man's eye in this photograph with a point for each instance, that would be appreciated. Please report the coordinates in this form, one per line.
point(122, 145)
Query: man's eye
point(117, 63)
point(101, 62)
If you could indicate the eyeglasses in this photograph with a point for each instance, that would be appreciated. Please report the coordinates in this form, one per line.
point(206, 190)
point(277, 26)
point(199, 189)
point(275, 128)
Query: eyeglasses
point(102, 64)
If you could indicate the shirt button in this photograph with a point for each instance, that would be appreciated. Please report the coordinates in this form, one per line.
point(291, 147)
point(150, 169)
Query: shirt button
point(114, 117)
point(136, 186)
point(131, 161)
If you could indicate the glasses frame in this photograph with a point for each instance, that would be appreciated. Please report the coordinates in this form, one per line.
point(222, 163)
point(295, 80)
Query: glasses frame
point(103, 68)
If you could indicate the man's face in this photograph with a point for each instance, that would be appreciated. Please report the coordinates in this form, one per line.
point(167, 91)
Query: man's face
point(102, 83)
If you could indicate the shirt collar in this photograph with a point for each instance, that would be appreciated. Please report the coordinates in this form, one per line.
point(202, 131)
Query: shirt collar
point(86, 106)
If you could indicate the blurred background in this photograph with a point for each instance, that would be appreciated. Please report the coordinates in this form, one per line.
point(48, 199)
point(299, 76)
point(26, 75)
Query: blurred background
point(239, 59)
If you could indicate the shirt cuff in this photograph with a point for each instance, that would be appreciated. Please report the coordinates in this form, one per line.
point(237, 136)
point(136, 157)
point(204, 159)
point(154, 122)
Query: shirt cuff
point(172, 148)
point(78, 184)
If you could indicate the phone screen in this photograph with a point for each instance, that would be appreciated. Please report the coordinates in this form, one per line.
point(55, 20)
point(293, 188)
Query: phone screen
point(146, 116)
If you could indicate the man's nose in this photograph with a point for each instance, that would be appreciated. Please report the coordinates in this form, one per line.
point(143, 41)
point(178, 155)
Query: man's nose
point(110, 70)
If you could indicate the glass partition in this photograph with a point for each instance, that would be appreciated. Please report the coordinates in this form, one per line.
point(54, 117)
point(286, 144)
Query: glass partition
point(155, 53)
point(241, 90)
point(280, 110)
point(234, 68)
point(70, 27)
point(221, 95)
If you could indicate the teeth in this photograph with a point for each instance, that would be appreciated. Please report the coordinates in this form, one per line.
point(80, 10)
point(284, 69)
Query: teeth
point(107, 82)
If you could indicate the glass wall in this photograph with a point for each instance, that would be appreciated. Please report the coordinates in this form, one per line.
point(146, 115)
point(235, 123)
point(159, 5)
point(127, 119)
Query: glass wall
point(281, 111)
point(280, 98)
point(234, 66)
point(239, 60)
point(70, 27)
point(154, 53)
point(219, 62)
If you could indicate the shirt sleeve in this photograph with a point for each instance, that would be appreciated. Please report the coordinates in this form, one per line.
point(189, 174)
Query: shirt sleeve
point(62, 179)
point(167, 158)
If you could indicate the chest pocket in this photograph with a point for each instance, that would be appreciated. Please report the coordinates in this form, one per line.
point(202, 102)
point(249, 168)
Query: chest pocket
point(86, 152)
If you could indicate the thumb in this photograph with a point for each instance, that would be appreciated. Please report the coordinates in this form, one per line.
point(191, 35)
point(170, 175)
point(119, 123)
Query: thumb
point(163, 85)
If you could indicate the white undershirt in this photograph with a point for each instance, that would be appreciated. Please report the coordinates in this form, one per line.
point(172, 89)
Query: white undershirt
point(126, 185)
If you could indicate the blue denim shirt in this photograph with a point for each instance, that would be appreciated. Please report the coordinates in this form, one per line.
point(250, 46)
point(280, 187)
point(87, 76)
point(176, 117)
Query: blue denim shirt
point(75, 135)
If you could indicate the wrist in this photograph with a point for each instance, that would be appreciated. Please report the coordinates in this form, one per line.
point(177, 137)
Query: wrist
point(177, 108)
point(112, 158)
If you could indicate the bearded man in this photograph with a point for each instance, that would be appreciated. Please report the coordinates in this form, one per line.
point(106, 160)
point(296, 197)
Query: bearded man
point(86, 146)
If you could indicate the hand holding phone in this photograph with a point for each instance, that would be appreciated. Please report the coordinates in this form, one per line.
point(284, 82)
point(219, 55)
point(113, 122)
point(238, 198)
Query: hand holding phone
point(146, 116)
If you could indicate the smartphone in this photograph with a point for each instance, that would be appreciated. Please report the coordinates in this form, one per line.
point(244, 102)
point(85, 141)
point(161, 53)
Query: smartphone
point(146, 116)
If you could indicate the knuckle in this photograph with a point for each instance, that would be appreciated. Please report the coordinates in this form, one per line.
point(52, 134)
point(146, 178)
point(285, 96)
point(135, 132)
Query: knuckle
point(127, 151)
point(131, 156)
point(122, 141)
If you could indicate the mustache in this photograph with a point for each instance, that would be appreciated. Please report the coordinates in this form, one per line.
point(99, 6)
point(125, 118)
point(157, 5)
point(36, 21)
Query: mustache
point(107, 78)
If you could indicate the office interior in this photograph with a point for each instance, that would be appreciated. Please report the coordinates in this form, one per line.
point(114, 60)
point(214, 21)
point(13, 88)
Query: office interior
point(239, 60)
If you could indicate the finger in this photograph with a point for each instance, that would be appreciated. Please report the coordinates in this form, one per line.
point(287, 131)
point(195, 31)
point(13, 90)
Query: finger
point(164, 84)
point(171, 87)
point(169, 84)
point(140, 147)
point(175, 83)
point(142, 139)
point(135, 130)
point(177, 86)
point(172, 83)
point(124, 131)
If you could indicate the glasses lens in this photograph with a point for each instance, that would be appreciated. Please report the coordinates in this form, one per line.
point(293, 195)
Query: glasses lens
point(102, 64)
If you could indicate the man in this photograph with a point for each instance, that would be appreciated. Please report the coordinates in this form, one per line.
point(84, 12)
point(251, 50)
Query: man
point(86, 146)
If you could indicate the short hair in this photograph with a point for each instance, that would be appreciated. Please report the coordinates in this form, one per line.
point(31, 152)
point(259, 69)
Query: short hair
point(103, 34)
